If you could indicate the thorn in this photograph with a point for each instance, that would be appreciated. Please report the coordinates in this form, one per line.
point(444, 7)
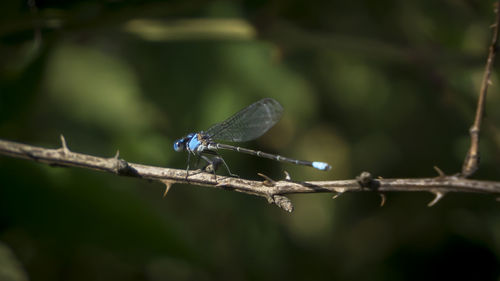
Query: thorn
point(64, 147)
point(382, 199)
point(337, 195)
point(287, 176)
point(498, 199)
point(490, 82)
point(168, 185)
point(267, 180)
point(439, 171)
point(439, 196)
point(493, 25)
point(117, 155)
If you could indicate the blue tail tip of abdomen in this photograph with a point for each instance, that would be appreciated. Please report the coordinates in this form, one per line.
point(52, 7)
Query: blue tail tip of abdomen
point(321, 166)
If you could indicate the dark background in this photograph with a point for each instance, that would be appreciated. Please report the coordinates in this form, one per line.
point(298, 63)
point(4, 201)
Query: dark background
point(387, 86)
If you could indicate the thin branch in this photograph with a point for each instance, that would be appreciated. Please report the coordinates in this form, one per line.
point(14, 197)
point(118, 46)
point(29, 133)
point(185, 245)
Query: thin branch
point(471, 162)
point(272, 190)
point(37, 40)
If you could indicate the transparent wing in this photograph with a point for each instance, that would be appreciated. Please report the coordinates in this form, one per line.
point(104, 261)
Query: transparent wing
point(249, 123)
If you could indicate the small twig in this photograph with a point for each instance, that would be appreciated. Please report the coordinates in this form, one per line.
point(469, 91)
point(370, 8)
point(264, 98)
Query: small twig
point(283, 202)
point(37, 34)
point(471, 162)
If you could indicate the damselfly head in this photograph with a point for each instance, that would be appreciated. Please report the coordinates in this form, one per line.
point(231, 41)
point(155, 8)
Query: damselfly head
point(180, 144)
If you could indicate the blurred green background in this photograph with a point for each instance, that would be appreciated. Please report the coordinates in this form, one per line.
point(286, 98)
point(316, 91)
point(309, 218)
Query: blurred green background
point(387, 86)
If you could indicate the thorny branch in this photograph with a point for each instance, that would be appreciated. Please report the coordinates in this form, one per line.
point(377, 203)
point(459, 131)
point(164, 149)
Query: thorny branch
point(471, 162)
point(274, 191)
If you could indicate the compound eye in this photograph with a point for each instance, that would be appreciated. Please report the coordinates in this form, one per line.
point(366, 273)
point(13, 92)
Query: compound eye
point(179, 145)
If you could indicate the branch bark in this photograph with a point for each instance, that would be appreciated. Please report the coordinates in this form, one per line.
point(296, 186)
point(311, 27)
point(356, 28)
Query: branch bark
point(273, 191)
point(471, 162)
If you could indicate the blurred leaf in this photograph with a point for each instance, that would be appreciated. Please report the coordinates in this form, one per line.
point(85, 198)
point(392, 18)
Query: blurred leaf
point(10, 267)
point(192, 29)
